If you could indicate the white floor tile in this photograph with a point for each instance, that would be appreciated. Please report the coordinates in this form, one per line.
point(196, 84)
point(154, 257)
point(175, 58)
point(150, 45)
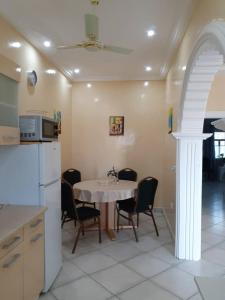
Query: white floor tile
point(47, 296)
point(146, 291)
point(222, 245)
point(211, 288)
point(94, 261)
point(215, 255)
point(178, 282)
point(117, 278)
point(146, 265)
point(211, 238)
point(201, 268)
point(122, 251)
point(81, 289)
point(196, 297)
point(217, 229)
point(166, 253)
point(147, 243)
point(68, 273)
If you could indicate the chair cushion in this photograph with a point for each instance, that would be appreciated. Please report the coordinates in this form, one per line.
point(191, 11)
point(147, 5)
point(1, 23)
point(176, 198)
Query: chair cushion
point(127, 205)
point(85, 213)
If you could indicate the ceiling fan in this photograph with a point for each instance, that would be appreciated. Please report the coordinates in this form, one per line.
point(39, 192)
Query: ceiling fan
point(92, 43)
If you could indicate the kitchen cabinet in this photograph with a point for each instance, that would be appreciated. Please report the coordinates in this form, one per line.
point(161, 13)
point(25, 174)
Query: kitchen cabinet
point(9, 122)
point(33, 259)
point(22, 260)
point(11, 275)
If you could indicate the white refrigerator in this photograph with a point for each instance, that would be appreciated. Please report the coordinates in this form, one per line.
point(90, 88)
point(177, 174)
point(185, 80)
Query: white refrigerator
point(30, 175)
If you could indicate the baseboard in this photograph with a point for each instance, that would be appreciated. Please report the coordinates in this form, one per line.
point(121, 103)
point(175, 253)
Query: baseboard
point(168, 224)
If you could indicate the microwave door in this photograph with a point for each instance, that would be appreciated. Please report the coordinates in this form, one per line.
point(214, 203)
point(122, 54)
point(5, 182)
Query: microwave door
point(49, 130)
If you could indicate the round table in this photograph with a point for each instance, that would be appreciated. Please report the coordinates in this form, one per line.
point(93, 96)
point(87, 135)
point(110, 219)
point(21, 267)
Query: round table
point(106, 193)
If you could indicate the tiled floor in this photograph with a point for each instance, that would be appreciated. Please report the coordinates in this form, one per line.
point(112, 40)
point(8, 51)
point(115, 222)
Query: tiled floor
point(148, 270)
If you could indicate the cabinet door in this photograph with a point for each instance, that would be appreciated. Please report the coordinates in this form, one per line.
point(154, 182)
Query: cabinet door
point(34, 266)
point(11, 275)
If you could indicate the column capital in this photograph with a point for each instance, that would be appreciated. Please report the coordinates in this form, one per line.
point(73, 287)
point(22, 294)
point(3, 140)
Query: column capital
point(191, 135)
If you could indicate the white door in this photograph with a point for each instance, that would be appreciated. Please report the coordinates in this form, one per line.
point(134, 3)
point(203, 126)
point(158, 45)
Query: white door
point(50, 162)
point(51, 198)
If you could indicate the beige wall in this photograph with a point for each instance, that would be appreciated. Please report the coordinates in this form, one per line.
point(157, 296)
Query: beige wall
point(142, 146)
point(216, 100)
point(52, 92)
point(205, 11)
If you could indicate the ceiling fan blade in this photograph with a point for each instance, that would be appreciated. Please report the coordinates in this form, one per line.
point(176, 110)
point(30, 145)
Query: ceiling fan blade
point(91, 26)
point(65, 47)
point(117, 49)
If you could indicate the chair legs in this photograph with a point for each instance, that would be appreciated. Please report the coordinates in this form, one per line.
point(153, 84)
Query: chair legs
point(153, 219)
point(81, 230)
point(77, 238)
point(133, 225)
point(99, 230)
point(118, 220)
point(137, 219)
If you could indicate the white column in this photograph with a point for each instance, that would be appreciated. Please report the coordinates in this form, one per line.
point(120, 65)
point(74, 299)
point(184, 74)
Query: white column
point(189, 195)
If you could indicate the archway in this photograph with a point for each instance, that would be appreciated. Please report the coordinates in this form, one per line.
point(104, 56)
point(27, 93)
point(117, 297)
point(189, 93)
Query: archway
point(207, 58)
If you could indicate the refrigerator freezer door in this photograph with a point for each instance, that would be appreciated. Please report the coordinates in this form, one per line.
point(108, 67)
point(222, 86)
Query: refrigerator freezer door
point(50, 162)
point(19, 173)
point(51, 198)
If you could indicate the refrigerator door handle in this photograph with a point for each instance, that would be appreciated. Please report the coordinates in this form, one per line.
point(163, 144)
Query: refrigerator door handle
point(50, 183)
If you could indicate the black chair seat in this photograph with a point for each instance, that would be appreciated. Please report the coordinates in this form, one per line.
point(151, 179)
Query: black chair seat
point(85, 213)
point(127, 205)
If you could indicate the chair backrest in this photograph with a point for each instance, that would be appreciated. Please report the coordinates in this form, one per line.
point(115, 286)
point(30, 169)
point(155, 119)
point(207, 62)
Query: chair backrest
point(127, 174)
point(67, 200)
point(146, 193)
point(72, 176)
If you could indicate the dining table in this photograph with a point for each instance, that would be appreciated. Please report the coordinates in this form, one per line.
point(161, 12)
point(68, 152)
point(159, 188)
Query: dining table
point(105, 192)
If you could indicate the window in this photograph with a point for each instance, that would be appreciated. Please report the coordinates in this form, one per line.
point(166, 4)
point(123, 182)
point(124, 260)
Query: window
point(219, 144)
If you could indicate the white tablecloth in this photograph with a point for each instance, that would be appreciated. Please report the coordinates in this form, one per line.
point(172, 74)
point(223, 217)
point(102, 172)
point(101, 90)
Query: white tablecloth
point(104, 191)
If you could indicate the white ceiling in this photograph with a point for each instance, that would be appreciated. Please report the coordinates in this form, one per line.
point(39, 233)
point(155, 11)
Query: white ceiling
point(121, 23)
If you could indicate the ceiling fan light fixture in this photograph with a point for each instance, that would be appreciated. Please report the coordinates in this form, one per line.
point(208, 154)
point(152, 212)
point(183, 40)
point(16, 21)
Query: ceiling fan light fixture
point(148, 68)
point(47, 44)
point(151, 33)
point(77, 71)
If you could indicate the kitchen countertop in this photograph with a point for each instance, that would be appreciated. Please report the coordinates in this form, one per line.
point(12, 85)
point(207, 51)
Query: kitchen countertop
point(14, 217)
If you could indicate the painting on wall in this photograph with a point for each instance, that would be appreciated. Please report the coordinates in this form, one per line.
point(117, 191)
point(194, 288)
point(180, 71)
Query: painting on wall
point(170, 120)
point(58, 119)
point(116, 125)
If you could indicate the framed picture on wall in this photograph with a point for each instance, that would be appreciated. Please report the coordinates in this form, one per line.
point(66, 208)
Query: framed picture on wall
point(116, 125)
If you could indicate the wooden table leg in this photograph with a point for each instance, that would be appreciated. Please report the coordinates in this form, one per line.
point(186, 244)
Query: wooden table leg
point(110, 221)
point(107, 218)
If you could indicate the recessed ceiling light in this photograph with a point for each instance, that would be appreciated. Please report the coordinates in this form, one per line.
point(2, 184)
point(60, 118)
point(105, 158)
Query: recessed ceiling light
point(89, 85)
point(150, 33)
point(146, 83)
point(148, 68)
point(15, 44)
point(18, 69)
point(96, 100)
point(47, 44)
point(76, 71)
point(184, 68)
point(51, 71)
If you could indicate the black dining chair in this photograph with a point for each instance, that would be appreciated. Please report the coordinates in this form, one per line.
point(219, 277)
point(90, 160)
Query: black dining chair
point(142, 203)
point(74, 176)
point(127, 174)
point(78, 214)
